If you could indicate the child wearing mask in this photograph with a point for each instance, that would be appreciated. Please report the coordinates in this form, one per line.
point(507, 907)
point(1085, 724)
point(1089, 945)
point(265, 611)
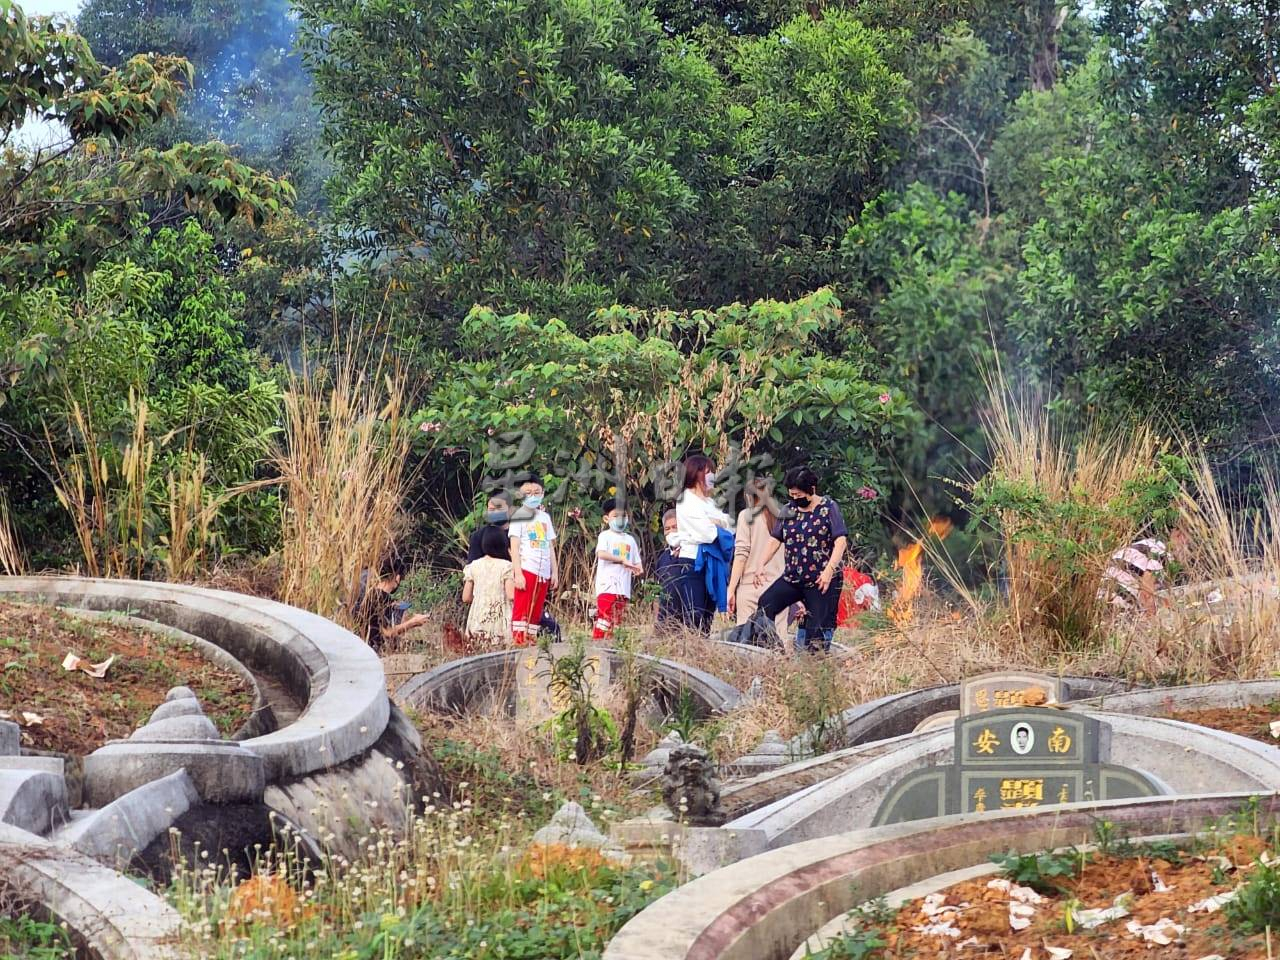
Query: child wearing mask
point(488, 586)
point(533, 561)
point(617, 559)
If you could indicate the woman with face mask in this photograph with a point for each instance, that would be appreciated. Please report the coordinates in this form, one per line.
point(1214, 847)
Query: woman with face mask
point(703, 535)
point(497, 513)
point(751, 537)
point(813, 536)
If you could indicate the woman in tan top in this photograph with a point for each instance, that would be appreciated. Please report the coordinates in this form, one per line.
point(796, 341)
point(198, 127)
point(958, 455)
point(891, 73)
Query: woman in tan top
point(751, 537)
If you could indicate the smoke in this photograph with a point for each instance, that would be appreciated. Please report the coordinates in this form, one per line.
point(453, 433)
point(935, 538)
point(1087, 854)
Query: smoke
point(251, 89)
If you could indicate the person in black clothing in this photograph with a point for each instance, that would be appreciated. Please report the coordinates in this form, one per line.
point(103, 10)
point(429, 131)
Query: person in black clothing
point(381, 617)
point(668, 570)
point(497, 514)
point(813, 533)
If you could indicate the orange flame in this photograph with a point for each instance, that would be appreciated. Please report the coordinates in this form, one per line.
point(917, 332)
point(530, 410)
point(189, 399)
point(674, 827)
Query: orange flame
point(911, 563)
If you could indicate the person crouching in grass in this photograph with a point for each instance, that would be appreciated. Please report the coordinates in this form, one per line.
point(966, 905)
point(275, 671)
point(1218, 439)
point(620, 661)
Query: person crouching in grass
point(617, 560)
point(533, 561)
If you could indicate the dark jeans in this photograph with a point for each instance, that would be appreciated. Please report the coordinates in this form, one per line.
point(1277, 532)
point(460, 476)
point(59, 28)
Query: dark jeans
point(696, 607)
point(819, 622)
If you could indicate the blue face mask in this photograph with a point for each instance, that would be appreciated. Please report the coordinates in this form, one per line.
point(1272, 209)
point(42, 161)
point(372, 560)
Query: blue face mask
point(619, 524)
point(533, 501)
point(496, 516)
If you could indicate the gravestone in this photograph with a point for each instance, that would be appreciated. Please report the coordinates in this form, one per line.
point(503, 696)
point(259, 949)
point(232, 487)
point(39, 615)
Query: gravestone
point(1017, 758)
point(1005, 689)
point(536, 700)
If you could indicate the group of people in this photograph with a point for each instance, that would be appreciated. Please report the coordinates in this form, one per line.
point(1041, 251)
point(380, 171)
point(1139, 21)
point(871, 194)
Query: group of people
point(773, 559)
point(776, 564)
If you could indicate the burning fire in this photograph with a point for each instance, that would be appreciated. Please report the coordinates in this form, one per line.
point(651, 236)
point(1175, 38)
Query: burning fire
point(911, 563)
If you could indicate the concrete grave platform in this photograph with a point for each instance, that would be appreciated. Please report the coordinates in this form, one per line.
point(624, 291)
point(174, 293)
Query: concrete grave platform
point(1185, 758)
point(489, 682)
point(33, 800)
point(114, 916)
point(329, 669)
point(766, 906)
point(122, 829)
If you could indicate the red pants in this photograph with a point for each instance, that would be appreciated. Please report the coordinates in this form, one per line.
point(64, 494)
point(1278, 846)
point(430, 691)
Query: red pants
point(526, 609)
point(609, 610)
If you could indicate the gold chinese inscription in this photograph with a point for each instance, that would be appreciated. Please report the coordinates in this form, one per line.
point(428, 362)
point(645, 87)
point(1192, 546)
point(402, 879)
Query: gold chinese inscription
point(1021, 793)
point(986, 742)
point(1064, 795)
point(979, 800)
point(1008, 698)
point(1059, 741)
point(982, 699)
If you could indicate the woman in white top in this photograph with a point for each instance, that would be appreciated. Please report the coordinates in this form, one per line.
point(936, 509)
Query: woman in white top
point(698, 521)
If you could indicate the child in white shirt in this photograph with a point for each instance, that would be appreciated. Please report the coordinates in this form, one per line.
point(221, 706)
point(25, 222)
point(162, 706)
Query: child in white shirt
point(533, 561)
point(617, 559)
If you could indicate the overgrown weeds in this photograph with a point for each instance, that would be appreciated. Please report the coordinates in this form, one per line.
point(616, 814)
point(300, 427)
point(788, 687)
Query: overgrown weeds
point(344, 479)
point(459, 883)
point(1062, 501)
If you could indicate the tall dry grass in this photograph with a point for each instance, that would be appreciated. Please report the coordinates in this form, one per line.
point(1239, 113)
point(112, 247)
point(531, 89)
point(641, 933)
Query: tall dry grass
point(13, 559)
point(105, 490)
point(1061, 500)
point(344, 477)
point(1227, 617)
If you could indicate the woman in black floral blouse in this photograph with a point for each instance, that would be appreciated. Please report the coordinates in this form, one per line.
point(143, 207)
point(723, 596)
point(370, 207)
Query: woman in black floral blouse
point(814, 536)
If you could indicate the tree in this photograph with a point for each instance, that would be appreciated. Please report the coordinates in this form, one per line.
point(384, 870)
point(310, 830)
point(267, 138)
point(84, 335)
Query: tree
point(541, 153)
point(108, 318)
point(827, 116)
point(741, 382)
point(249, 88)
point(932, 283)
point(1148, 284)
point(61, 208)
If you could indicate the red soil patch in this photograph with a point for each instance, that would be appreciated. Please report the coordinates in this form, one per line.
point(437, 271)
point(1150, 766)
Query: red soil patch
point(1252, 722)
point(1154, 889)
point(81, 713)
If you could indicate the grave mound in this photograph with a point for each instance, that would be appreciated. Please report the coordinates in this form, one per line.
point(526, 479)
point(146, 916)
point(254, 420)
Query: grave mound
point(72, 712)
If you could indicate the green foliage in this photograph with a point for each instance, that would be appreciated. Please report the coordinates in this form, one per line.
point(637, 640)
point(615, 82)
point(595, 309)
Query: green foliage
point(490, 785)
point(1039, 871)
point(26, 938)
point(929, 277)
point(541, 397)
point(248, 87)
point(1256, 907)
point(1148, 278)
point(826, 115)
point(570, 914)
point(814, 700)
point(562, 158)
point(865, 939)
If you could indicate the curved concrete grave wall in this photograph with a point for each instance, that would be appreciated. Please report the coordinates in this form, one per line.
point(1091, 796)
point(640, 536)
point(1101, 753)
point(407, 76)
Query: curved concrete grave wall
point(764, 907)
point(114, 916)
point(261, 717)
point(1162, 700)
point(348, 762)
point(487, 682)
point(329, 669)
point(1186, 758)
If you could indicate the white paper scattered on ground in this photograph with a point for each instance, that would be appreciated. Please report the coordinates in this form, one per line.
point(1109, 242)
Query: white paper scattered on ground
point(1213, 904)
point(1163, 932)
point(96, 670)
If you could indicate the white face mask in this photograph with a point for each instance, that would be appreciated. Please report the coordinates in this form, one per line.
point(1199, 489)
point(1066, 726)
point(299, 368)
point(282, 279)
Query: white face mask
point(710, 480)
point(673, 539)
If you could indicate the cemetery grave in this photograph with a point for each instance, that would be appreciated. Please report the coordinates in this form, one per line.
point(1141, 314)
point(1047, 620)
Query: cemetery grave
point(73, 712)
point(1204, 896)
